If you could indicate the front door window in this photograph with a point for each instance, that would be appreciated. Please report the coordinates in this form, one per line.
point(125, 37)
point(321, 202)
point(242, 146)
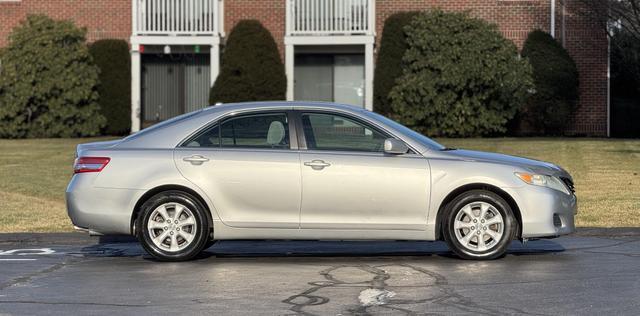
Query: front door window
point(339, 133)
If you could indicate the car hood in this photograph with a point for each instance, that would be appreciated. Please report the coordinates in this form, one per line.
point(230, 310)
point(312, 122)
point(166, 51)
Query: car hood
point(535, 166)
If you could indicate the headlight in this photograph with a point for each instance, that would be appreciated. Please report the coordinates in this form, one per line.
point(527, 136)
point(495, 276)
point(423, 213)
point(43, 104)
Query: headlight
point(543, 181)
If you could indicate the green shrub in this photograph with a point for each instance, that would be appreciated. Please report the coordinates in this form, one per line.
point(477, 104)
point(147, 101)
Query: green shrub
point(393, 45)
point(113, 59)
point(251, 67)
point(556, 84)
point(48, 81)
point(461, 77)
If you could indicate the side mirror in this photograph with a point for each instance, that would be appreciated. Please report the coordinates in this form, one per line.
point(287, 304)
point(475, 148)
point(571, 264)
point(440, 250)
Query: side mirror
point(395, 147)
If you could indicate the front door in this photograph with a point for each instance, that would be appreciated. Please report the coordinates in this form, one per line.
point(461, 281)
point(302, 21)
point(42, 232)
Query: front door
point(348, 182)
point(247, 168)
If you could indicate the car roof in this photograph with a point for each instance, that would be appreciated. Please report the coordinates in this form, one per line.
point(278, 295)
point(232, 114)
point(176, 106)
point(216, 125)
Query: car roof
point(171, 132)
point(226, 107)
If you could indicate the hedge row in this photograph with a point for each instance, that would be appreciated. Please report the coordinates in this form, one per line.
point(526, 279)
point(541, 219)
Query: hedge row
point(251, 68)
point(49, 84)
point(438, 72)
point(53, 85)
point(114, 61)
point(460, 77)
point(449, 74)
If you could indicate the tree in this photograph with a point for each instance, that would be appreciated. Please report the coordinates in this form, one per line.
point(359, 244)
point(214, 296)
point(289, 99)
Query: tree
point(113, 58)
point(621, 20)
point(48, 81)
point(251, 67)
point(613, 15)
point(625, 65)
point(393, 45)
point(625, 85)
point(461, 77)
point(556, 84)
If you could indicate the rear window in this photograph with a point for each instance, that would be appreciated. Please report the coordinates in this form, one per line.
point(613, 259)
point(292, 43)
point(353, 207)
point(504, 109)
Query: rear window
point(162, 124)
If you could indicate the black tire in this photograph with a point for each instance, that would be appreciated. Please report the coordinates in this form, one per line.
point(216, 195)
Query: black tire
point(509, 230)
point(200, 239)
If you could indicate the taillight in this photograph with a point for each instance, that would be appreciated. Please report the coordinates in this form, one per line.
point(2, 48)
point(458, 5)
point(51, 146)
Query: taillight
point(90, 164)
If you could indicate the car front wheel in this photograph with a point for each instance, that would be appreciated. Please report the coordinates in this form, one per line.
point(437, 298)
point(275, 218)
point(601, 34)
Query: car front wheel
point(173, 226)
point(479, 225)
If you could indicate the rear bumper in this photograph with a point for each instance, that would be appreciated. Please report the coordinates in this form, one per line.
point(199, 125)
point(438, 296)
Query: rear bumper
point(100, 210)
point(545, 212)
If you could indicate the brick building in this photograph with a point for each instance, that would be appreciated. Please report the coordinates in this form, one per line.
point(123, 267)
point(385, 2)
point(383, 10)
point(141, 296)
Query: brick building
point(328, 46)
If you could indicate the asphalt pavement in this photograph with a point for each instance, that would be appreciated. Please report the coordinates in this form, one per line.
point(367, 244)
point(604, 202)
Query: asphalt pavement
point(596, 272)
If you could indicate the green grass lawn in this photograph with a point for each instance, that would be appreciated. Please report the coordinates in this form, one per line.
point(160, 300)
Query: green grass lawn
point(34, 174)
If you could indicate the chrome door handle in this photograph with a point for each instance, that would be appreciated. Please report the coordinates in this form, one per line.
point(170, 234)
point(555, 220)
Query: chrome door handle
point(196, 159)
point(317, 164)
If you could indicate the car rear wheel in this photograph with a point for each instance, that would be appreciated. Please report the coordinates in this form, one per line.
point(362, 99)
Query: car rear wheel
point(479, 225)
point(173, 226)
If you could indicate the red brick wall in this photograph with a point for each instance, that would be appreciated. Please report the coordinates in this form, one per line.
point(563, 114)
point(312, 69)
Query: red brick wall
point(515, 19)
point(103, 19)
point(271, 13)
point(588, 45)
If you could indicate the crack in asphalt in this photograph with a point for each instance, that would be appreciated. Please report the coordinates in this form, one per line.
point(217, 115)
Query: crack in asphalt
point(603, 246)
point(445, 295)
point(73, 303)
point(632, 255)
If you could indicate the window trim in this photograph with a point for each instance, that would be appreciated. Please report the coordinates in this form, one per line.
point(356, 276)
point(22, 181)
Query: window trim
point(293, 135)
point(302, 138)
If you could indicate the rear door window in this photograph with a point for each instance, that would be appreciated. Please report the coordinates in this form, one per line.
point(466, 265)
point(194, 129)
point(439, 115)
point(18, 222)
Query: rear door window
point(267, 131)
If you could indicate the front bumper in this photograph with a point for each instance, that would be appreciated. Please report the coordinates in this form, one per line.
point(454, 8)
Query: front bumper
point(545, 212)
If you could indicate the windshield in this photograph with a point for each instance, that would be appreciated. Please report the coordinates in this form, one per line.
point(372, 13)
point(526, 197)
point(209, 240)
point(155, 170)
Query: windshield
point(426, 141)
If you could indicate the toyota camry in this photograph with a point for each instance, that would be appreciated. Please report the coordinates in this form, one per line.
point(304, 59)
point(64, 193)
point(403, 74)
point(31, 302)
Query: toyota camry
point(313, 171)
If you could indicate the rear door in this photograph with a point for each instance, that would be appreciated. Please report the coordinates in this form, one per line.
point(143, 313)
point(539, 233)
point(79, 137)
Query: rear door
point(348, 182)
point(248, 167)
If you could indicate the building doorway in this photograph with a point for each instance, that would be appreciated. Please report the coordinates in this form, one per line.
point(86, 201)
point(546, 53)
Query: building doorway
point(173, 84)
point(338, 77)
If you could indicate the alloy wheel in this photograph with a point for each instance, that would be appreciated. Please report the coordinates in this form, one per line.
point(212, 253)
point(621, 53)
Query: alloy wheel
point(478, 226)
point(172, 227)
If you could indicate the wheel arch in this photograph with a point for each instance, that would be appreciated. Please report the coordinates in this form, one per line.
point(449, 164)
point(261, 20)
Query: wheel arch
point(169, 187)
point(477, 186)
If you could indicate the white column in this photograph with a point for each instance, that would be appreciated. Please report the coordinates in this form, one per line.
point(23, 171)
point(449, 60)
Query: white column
point(372, 17)
point(553, 19)
point(608, 86)
point(214, 59)
point(134, 17)
point(135, 87)
point(220, 18)
point(368, 76)
point(288, 17)
point(289, 68)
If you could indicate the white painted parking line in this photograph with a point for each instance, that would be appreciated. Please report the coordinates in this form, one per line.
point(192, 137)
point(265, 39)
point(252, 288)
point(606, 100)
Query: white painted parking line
point(18, 259)
point(27, 252)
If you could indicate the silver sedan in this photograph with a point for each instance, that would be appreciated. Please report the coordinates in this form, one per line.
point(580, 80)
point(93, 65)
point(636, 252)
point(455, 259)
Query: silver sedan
point(281, 170)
